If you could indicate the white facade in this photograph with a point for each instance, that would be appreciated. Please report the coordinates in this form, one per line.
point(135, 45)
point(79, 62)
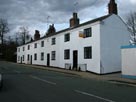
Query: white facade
point(107, 35)
point(114, 34)
point(128, 61)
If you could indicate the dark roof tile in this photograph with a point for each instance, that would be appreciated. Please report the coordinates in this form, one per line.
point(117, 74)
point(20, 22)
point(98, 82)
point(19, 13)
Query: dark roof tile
point(67, 29)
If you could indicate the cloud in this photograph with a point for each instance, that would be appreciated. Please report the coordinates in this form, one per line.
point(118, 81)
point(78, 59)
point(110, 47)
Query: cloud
point(133, 1)
point(125, 7)
point(34, 13)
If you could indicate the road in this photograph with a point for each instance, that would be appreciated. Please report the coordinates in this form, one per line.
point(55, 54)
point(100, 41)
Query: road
point(27, 84)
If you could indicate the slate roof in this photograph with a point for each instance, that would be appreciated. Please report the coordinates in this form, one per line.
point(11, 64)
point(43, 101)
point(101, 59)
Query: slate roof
point(67, 29)
point(85, 23)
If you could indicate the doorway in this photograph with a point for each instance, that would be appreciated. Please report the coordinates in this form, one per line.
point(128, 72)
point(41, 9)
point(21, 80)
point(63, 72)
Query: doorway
point(31, 60)
point(48, 59)
point(75, 59)
point(21, 60)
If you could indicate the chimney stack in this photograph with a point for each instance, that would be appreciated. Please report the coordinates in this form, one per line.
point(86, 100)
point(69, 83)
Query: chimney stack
point(36, 35)
point(51, 30)
point(112, 7)
point(74, 21)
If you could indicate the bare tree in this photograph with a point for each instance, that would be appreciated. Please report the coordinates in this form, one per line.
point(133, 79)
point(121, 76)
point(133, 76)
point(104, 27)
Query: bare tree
point(3, 29)
point(131, 22)
point(23, 34)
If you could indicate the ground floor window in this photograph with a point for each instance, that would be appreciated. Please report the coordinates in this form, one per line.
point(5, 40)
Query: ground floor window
point(88, 52)
point(35, 56)
point(67, 54)
point(18, 58)
point(53, 55)
point(42, 56)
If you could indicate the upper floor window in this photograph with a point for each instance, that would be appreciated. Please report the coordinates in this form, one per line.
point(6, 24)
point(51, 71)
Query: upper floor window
point(53, 41)
point(67, 37)
point(23, 48)
point(42, 43)
point(28, 47)
point(53, 55)
point(88, 32)
point(18, 49)
point(35, 45)
point(67, 54)
point(88, 52)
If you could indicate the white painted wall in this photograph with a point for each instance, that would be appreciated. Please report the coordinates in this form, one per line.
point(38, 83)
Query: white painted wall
point(20, 54)
point(78, 43)
point(129, 61)
point(75, 43)
point(107, 37)
point(114, 33)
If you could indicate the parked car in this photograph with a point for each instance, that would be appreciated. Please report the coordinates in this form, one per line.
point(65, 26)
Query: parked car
point(1, 81)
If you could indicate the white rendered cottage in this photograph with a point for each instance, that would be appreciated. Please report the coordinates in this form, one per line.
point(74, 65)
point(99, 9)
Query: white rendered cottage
point(92, 46)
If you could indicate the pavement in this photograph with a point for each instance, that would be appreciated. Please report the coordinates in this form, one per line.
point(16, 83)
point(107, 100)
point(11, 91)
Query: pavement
point(113, 78)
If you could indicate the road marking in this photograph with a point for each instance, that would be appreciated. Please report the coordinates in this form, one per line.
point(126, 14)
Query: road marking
point(88, 94)
point(46, 81)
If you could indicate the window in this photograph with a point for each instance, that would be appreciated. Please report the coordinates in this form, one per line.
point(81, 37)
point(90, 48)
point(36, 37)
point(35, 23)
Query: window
point(88, 32)
point(66, 37)
point(53, 55)
point(35, 45)
point(23, 48)
point(35, 56)
point(42, 43)
point(28, 47)
point(67, 54)
point(18, 58)
point(88, 52)
point(23, 57)
point(28, 57)
point(42, 56)
point(18, 49)
point(53, 41)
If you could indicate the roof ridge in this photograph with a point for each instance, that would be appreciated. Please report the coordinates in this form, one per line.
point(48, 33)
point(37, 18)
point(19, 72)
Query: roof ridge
point(70, 28)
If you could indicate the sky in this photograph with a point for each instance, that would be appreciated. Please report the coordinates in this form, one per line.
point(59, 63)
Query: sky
point(39, 14)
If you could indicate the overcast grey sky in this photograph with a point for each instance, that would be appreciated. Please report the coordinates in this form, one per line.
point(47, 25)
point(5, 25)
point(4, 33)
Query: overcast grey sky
point(34, 13)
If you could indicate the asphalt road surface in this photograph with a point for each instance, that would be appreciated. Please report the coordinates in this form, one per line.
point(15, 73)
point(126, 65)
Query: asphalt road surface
point(26, 84)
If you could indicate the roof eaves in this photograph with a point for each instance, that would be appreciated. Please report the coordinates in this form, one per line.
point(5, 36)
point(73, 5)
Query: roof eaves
point(67, 29)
